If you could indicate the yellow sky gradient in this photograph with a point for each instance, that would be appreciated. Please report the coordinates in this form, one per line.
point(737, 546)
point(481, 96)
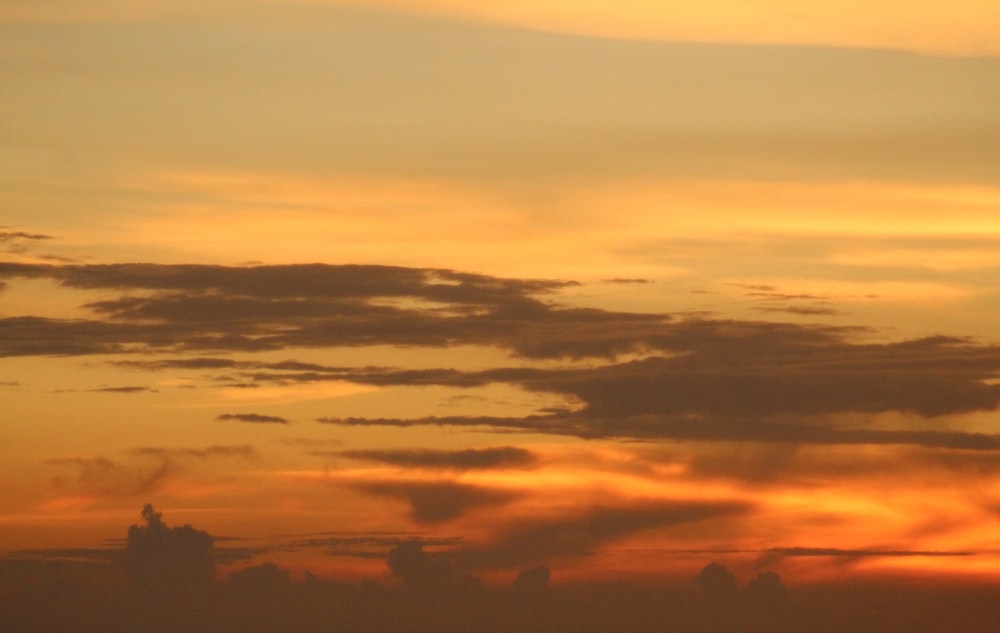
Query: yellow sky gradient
point(966, 28)
point(927, 26)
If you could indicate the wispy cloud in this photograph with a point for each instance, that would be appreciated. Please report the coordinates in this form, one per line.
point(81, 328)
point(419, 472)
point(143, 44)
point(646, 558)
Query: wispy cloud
point(465, 459)
point(124, 389)
point(252, 418)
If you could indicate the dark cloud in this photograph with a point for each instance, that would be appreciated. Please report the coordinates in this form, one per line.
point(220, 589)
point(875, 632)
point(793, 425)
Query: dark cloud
point(230, 555)
point(100, 475)
point(126, 389)
point(801, 310)
point(583, 533)
point(252, 417)
point(626, 280)
point(162, 560)
point(530, 423)
point(143, 474)
point(261, 581)
point(7, 236)
point(34, 336)
point(309, 442)
point(418, 569)
point(532, 582)
point(72, 554)
point(659, 427)
point(292, 281)
point(17, 242)
point(849, 557)
point(860, 553)
point(439, 501)
point(180, 363)
point(219, 451)
point(366, 545)
point(466, 459)
point(752, 381)
point(780, 462)
point(702, 377)
point(271, 307)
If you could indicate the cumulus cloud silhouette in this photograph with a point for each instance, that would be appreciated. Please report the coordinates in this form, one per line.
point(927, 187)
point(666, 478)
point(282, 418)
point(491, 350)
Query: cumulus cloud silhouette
point(168, 560)
point(418, 569)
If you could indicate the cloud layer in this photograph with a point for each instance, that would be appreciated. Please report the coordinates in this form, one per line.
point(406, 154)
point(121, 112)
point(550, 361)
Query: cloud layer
point(701, 377)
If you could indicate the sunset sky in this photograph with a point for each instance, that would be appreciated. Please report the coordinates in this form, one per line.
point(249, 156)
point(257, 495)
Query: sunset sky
point(614, 287)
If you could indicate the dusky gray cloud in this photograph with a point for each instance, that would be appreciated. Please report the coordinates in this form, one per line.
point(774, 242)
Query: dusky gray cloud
point(68, 554)
point(142, 472)
point(125, 389)
point(100, 475)
point(254, 418)
point(703, 378)
point(662, 427)
point(861, 553)
point(8, 236)
point(162, 560)
point(270, 307)
point(237, 451)
point(366, 545)
point(583, 533)
point(438, 501)
point(465, 459)
point(801, 310)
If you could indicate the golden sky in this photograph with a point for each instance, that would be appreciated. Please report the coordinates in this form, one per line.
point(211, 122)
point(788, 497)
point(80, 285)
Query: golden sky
point(538, 283)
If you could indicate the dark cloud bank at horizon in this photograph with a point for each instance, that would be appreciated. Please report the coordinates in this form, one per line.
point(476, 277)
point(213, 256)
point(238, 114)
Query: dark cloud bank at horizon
point(163, 579)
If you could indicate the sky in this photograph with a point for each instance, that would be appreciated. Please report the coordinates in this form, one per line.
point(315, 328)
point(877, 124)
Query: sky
point(617, 289)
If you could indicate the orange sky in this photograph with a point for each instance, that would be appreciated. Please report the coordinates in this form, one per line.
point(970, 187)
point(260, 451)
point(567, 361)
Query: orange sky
point(541, 283)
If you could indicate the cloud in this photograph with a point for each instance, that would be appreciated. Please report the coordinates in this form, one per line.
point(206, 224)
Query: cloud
point(349, 281)
point(70, 554)
point(162, 560)
point(697, 377)
point(861, 553)
point(466, 459)
point(8, 236)
point(181, 363)
point(532, 582)
point(241, 451)
point(144, 473)
point(367, 545)
point(252, 417)
point(127, 389)
point(660, 427)
point(770, 556)
point(102, 476)
point(420, 570)
point(439, 502)
point(584, 532)
point(801, 310)
point(260, 582)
